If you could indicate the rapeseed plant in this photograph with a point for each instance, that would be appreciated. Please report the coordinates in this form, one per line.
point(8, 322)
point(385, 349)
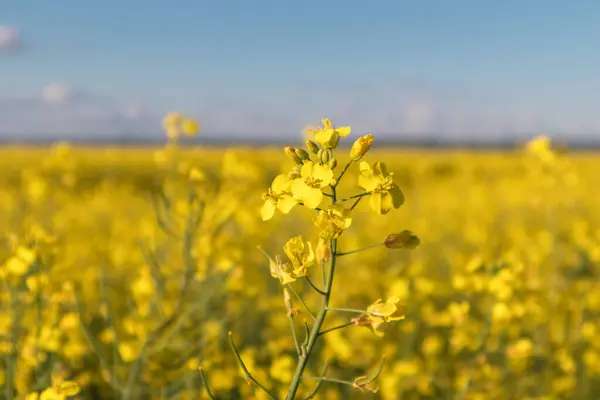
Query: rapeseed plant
point(308, 183)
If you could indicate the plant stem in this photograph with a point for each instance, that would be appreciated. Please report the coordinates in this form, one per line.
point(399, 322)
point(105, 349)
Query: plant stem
point(356, 203)
point(358, 250)
point(335, 328)
point(341, 175)
point(301, 301)
point(322, 379)
point(247, 375)
point(313, 286)
point(350, 310)
point(356, 196)
point(316, 328)
point(205, 383)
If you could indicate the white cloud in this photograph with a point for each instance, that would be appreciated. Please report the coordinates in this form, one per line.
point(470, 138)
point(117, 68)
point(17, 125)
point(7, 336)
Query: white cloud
point(56, 93)
point(9, 39)
point(60, 110)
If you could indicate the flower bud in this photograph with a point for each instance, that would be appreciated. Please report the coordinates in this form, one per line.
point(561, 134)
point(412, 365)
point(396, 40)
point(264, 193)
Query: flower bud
point(324, 156)
point(332, 164)
point(323, 250)
point(403, 240)
point(287, 299)
point(302, 154)
point(312, 146)
point(291, 153)
point(360, 147)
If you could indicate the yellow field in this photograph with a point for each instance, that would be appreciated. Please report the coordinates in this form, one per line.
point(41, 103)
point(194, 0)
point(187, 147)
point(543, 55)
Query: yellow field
point(123, 272)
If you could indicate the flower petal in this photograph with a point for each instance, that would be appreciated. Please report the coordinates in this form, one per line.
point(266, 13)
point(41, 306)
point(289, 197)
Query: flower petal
point(267, 210)
point(312, 197)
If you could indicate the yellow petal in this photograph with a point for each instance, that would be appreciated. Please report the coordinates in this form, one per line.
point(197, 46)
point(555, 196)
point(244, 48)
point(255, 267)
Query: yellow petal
point(307, 169)
point(69, 388)
point(312, 197)
point(324, 173)
point(286, 203)
point(397, 196)
point(267, 211)
point(281, 183)
point(387, 203)
point(376, 202)
point(343, 130)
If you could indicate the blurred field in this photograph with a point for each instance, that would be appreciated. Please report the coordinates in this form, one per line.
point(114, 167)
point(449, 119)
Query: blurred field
point(137, 273)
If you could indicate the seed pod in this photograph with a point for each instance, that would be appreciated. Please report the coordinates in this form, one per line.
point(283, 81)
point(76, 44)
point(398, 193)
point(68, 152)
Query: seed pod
point(403, 240)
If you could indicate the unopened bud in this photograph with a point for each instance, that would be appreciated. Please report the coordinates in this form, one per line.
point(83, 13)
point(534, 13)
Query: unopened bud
point(291, 153)
point(324, 156)
point(302, 154)
point(312, 147)
point(360, 147)
point(287, 299)
point(403, 240)
point(332, 164)
point(323, 250)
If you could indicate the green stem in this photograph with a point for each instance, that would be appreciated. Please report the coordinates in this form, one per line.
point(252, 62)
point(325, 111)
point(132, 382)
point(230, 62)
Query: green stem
point(316, 328)
point(301, 301)
point(356, 203)
point(322, 379)
point(350, 310)
point(356, 196)
point(313, 393)
point(359, 250)
point(247, 375)
point(335, 328)
point(314, 287)
point(342, 174)
point(205, 383)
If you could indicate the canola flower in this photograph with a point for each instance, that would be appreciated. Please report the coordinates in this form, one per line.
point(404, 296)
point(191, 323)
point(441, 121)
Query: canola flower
point(309, 182)
point(122, 270)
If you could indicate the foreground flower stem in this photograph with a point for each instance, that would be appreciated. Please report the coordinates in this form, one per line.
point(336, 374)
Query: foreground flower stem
point(342, 174)
point(247, 375)
point(335, 328)
point(318, 323)
point(359, 250)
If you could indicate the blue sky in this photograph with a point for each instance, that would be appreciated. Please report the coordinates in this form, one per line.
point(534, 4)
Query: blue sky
point(455, 68)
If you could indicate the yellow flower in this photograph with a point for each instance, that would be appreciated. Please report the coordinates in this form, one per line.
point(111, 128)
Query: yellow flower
point(540, 147)
point(333, 221)
point(327, 136)
point(60, 391)
point(307, 188)
point(171, 124)
point(278, 198)
point(380, 313)
point(385, 194)
point(360, 147)
point(174, 124)
point(189, 127)
point(301, 256)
